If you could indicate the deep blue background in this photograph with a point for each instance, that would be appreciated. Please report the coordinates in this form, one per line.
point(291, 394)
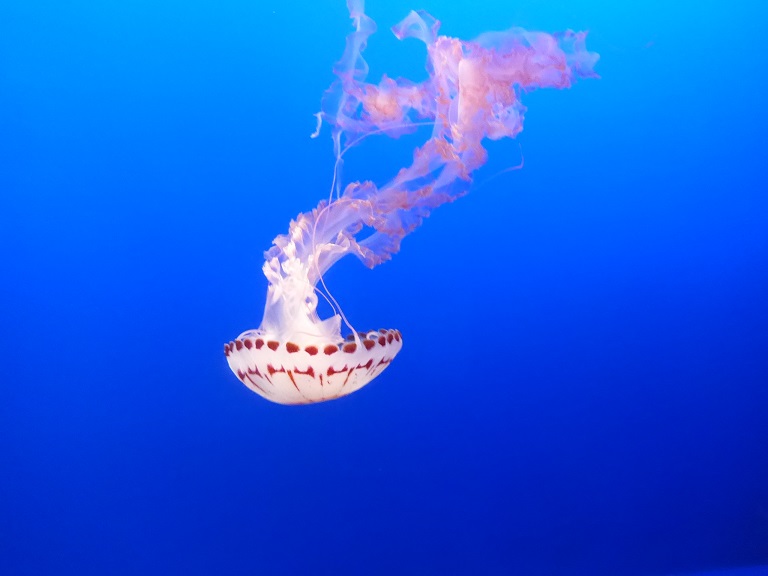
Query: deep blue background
point(584, 383)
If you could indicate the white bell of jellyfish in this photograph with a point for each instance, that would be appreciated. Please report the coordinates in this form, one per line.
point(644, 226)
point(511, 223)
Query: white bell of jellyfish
point(294, 357)
point(472, 94)
point(288, 373)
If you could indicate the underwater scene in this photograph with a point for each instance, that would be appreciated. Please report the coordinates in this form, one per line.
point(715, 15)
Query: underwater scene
point(379, 287)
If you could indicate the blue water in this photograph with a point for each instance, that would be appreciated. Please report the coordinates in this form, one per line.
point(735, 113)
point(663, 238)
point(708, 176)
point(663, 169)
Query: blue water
point(584, 383)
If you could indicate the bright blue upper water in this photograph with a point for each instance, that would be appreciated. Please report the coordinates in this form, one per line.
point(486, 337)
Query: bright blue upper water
point(583, 387)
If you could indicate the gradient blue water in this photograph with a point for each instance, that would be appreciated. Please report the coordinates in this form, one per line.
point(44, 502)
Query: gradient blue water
point(583, 384)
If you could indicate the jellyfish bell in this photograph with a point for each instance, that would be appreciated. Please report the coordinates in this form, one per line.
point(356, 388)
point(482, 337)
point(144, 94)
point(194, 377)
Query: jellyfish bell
point(295, 357)
point(290, 373)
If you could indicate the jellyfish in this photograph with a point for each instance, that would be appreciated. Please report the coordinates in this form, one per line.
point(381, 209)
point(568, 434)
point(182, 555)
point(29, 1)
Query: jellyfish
point(472, 93)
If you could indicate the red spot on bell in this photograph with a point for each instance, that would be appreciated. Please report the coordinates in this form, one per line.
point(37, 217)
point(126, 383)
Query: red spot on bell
point(291, 347)
point(330, 349)
point(259, 343)
point(309, 372)
point(238, 344)
point(351, 347)
point(311, 350)
point(273, 345)
point(248, 343)
point(369, 344)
